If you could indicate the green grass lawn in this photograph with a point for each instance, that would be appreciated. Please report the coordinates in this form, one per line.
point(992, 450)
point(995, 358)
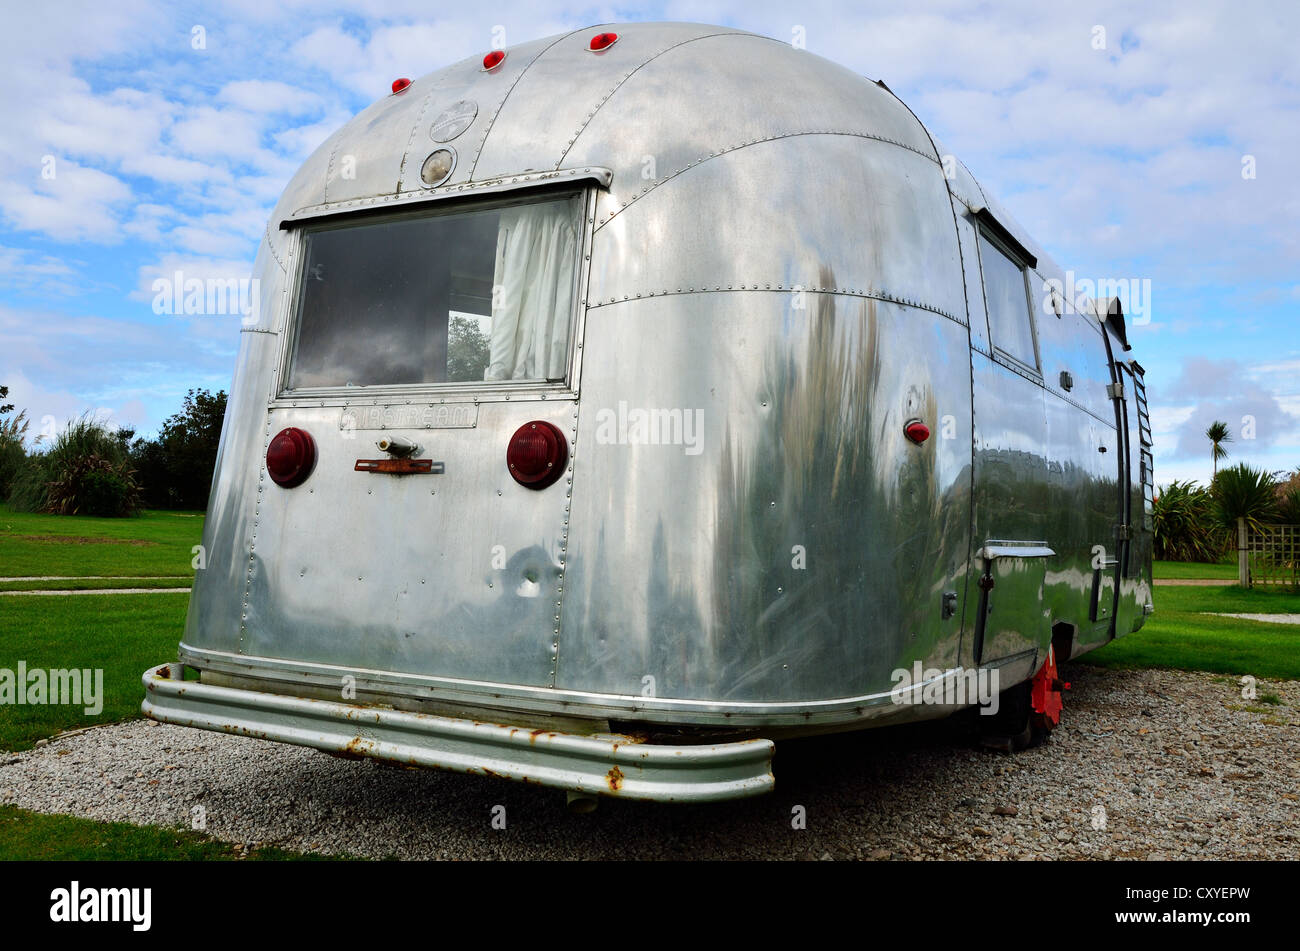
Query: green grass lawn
point(94, 584)
point(34, 836)
point(155, 543)
point(1182, 635)
point(1226, 571)
point(121, 634)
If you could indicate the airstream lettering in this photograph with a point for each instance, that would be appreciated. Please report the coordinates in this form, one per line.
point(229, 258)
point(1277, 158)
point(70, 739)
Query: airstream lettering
point(450, 336)
point(427, 416)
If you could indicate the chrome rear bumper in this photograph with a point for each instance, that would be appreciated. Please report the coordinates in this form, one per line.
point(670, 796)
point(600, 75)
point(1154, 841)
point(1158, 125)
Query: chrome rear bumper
point(602, 764)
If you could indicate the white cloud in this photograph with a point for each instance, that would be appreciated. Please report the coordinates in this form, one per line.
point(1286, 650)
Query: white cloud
point(270, 97)
point(25, 269)
point(209, 133)
point(77, 203)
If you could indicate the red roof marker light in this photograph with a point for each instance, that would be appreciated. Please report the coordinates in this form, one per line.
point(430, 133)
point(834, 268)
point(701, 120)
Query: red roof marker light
point(602, 41)
point(494, 59)
point(399, 85)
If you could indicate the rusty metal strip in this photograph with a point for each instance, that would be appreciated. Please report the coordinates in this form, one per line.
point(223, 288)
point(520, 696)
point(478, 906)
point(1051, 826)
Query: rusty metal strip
point(604, 764)
point(401, 466)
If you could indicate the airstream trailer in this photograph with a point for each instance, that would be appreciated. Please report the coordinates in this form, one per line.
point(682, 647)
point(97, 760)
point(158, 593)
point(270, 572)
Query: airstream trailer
point(619, 402)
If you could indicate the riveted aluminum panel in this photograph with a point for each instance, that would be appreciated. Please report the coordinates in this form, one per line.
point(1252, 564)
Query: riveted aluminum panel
point(566, 86)
point(1073, 472)
point(723, 92)
point(368, 159)
point(1011, 501)
point(216, 602)
point(456, 574)
point(961, 182)
point(1073, 343)
point(977, 310)
point(1016, 615)
point(380, 151)
point(741, 220)
point(307, 187)
point(766, 561)
point(1078, 420)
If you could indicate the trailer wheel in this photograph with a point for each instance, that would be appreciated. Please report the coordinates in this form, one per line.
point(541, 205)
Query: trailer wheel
point(1013, 727)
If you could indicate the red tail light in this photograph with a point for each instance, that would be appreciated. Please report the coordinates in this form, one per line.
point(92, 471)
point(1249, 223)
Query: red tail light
point(291, 457)
point(602, 41)
point(537, 454)
point(917, 431)
point(494, 59)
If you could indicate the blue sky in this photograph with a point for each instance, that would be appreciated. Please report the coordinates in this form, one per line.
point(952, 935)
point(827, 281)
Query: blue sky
point(1124, 159)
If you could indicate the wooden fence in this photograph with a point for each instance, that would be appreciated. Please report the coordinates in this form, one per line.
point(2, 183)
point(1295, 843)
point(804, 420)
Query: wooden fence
point(1270, 556)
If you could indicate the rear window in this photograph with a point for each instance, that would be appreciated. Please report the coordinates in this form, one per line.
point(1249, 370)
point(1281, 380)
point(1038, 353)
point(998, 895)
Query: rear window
point(455, 296)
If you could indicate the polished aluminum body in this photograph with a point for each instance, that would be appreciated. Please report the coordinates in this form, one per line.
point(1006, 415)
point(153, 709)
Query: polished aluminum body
point(772, 241)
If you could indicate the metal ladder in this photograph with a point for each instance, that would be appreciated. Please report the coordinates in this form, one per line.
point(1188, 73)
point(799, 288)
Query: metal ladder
point(1144, 434)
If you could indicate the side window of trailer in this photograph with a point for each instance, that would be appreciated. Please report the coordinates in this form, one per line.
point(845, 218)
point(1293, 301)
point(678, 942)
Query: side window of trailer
point(458, 295)
point(1007, 298)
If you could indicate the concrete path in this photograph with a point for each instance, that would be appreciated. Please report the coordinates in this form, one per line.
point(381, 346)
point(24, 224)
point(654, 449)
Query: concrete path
point(1270, 618)
point(87, 577)
point(44, 592)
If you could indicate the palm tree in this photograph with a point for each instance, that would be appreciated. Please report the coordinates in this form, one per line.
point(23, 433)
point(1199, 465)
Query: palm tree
point(1218, 434)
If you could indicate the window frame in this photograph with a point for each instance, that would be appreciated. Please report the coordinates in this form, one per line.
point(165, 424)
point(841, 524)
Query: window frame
point(987, 234)
point(486, 391)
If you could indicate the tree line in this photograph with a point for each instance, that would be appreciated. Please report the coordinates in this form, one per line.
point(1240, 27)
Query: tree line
point(1193, 522)
point(90, 468)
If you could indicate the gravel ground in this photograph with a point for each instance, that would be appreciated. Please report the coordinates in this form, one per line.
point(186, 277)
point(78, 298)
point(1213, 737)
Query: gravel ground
point(1176, 764)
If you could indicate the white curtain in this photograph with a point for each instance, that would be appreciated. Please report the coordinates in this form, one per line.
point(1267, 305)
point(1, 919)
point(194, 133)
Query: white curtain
point(537, 248)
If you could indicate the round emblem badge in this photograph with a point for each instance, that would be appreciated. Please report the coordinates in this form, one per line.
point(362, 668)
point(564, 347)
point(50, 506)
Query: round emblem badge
point(454, 120)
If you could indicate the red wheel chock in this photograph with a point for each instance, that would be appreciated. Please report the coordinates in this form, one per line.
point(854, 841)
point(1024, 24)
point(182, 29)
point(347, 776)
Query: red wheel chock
point(1045, 693)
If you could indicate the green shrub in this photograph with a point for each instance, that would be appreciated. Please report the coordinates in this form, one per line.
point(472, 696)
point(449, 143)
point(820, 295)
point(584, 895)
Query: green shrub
point(102, 490)
point(1288, 497)
point(85, 472)
point(1241, 491)
point(1288, 507)
point(1185, 526)
point(13, 457)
